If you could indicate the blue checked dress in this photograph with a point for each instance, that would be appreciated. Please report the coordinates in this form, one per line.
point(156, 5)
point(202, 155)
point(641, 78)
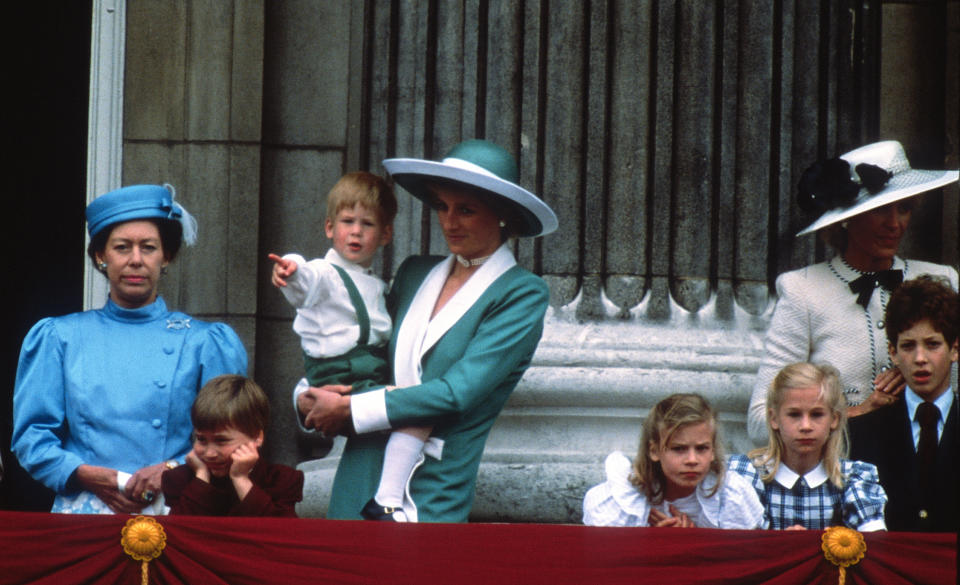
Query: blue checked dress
point(812, 501)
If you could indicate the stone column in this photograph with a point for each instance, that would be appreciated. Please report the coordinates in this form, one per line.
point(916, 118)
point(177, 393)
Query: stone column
point(191, 118)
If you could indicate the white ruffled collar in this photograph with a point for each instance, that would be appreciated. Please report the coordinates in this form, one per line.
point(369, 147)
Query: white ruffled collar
point(629, 497)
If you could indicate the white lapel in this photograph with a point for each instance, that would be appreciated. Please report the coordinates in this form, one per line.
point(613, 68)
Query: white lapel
point(406, 359)
point(501, 261)
point(418, 333)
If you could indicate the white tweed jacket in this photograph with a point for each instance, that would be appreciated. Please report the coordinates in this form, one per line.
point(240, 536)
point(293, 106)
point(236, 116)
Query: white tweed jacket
point(817, 319)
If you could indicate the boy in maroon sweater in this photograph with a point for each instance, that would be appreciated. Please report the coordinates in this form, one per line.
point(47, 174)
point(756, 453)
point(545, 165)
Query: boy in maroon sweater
point(224, 475)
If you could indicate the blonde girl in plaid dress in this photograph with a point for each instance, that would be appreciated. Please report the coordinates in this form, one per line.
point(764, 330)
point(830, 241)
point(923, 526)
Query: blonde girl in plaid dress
point(802, 476)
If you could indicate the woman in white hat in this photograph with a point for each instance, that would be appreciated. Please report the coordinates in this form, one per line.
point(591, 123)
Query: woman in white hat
point(465, 329)
point(101, 405)
point(832, 312)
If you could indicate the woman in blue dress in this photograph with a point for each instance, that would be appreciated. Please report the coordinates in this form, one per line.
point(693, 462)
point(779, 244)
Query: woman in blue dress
point(101, 405)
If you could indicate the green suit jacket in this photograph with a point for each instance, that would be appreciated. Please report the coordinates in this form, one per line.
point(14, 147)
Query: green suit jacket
point(467, 377)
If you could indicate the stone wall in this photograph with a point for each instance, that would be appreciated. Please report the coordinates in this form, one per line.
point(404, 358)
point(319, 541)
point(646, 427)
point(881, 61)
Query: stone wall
point(192, 118)
point(666, 135)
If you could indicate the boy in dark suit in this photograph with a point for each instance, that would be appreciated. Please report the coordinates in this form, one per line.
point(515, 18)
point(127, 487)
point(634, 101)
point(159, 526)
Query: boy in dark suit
point(913, 442)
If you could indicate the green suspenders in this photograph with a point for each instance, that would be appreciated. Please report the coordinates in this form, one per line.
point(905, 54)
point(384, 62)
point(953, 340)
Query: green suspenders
point(363, 318)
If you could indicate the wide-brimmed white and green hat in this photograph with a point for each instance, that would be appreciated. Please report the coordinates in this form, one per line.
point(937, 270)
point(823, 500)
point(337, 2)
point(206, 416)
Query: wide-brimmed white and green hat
point(483, 165)
point(869, 177)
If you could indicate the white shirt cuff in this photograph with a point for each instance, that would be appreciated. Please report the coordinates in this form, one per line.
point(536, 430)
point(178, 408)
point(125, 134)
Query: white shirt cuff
point(122, 478)
point(369, 411)
point(872, 526)
point(301, 387)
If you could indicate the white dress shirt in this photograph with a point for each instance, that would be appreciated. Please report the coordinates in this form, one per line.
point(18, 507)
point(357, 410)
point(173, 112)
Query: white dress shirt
point(943, 404)
point(326, 320)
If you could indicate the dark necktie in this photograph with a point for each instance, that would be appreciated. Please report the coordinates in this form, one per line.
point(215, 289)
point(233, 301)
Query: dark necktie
point(863, 286)
point(927, 415)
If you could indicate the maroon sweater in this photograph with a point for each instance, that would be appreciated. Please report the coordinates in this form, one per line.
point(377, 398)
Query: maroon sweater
point(276, 490)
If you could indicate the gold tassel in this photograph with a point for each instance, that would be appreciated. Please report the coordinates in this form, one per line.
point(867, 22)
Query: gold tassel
point(143, 538)
point(843, 547)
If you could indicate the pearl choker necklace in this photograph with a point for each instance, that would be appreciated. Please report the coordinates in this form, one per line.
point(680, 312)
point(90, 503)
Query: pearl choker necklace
point(475, 262)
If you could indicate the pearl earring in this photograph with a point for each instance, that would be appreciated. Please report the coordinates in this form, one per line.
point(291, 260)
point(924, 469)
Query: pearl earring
point(503, 224)
point(103, 266)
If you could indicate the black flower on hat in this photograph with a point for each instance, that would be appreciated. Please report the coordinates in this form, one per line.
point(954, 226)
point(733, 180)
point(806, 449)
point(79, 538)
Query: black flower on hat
point(872, 177)
point(827, 184)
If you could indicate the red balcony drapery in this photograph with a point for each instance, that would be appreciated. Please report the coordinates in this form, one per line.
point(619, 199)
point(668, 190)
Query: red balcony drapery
point(50, 548)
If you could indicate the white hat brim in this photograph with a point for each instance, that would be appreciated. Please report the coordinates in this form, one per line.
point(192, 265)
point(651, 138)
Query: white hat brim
point(900, 186)
point(412, 174)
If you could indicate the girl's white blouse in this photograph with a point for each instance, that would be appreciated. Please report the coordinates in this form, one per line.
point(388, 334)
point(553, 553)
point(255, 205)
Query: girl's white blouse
point(617, 502)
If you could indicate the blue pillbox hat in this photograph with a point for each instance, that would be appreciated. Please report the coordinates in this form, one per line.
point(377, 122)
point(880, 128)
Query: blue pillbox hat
point(139, 202)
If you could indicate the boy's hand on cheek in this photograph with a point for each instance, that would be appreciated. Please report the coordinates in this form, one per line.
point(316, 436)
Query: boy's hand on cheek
point(244, 458)
point(199, 468)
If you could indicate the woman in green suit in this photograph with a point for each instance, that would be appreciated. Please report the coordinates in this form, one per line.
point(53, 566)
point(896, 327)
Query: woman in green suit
point(465, 329)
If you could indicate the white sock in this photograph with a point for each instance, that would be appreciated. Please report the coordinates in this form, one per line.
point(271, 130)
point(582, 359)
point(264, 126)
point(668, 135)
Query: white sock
point(402, 453)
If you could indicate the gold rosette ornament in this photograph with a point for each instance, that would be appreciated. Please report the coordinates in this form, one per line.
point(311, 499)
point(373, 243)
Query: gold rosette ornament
point(143, 538)
point(843, 547)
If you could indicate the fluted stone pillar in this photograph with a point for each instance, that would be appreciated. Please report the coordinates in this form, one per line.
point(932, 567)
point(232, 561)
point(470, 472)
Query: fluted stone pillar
point(191, 118)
